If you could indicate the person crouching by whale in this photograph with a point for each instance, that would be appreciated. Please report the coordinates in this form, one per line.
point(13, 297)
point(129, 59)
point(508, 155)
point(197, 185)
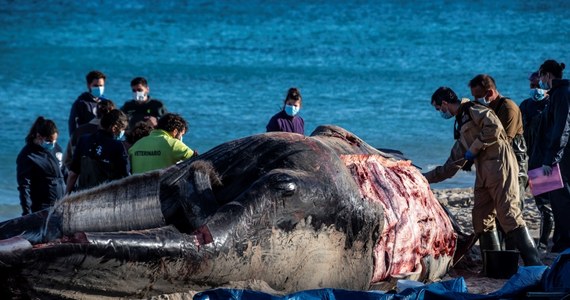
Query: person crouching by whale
point(163, 147)
point(100, 157)
point(480, 137)
point(39, 168)
point(288, 120)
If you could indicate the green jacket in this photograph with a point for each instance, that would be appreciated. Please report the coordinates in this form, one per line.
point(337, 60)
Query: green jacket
point(156, 151)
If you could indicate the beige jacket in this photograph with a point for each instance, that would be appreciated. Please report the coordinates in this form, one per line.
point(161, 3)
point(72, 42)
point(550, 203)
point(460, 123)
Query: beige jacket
point(483, 134)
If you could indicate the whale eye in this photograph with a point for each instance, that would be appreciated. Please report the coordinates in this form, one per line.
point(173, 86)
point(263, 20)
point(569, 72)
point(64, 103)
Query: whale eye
point(287, 188)
point(284, 184)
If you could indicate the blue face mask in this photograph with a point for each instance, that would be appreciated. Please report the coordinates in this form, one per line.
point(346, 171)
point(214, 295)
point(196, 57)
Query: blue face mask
point(543, 85)
point(48, 146)
point(537, 94)
point(292, 110)
point(445, 114)
point(97, 91)
point(121, 135)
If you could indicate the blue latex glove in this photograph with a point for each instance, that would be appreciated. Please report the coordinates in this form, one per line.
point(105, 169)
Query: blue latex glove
point(469, 155)
point(547, 170)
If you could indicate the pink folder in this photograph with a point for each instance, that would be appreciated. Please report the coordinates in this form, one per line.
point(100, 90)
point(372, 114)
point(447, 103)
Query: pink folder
point(540, 183)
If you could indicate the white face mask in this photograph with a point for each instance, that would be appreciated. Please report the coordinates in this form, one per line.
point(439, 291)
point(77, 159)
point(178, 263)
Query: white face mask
point(483, 101)
point(139, 96)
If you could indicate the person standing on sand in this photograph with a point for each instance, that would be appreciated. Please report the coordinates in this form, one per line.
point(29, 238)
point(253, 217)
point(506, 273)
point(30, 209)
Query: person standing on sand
point(163, 147)
point(288, 120)
point(39, 168)
point(532, 109)
point(555, 143)
point(100, 157)
point(103, 107)
point(480, 138)
point(84, 109)
point(484, 90)
point(142, 107)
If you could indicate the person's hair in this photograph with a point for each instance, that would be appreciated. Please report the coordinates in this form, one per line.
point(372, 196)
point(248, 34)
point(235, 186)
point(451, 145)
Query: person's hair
point(104, 107)
point(43, 127)
point(483, 80)
point(112, 118)
point(533, 76)
point(94, 75)
point(171, 121)
point(293, 94)
point(553, 67)
point(444, 94)
point(140, 130)
point(139, 80)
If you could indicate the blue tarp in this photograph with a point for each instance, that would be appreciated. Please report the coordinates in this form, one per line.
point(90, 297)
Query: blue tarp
point(557, 278)
point(527, 279)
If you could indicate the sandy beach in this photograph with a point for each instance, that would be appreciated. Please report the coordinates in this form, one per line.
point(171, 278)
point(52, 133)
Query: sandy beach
point(459, 203)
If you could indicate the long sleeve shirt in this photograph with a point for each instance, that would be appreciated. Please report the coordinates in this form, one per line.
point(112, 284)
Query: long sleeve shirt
point(285, 123)
point(40, 178)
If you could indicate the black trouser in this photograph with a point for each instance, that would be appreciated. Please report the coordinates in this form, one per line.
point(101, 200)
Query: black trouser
point(560, 202)
point(546, 219)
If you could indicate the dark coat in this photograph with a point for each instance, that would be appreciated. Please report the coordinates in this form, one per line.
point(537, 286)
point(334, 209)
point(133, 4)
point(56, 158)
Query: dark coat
point(557, 127)
point(531, 114)
point(140, 111)
point(40, 178)
point(83, 110)
point(99, 158)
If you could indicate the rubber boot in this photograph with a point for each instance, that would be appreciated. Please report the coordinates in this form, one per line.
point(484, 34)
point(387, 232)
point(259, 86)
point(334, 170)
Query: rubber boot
point(520, 239)
point(546, 224)
point(488, 241)
point(500, 234)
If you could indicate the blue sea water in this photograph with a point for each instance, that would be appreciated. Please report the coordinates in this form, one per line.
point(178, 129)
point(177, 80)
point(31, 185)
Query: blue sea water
point(368, 66)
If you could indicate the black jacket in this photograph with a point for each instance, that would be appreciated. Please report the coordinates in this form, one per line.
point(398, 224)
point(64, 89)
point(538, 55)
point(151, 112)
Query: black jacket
point(40, 177)
point(83, 110)
point(557, 127)
point(532, 112)
point(99, 158)
point(139, 111)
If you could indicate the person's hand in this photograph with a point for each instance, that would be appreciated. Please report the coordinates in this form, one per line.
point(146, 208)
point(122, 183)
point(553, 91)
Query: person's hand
point(469, 155)
point(547, 170)
point(467, 166)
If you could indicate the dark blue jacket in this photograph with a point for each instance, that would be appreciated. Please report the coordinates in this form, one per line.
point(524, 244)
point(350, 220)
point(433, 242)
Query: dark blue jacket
point(83, 110)
point(40, 177)
point(99, 158)
point(283, 122)
point(531, 116)
point(557, 126)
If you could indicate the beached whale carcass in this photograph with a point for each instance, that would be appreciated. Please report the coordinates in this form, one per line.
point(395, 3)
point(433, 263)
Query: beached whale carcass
point(296, 212)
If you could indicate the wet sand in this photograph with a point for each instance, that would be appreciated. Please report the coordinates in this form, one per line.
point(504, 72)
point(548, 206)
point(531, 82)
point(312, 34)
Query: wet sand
point(460, 202)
